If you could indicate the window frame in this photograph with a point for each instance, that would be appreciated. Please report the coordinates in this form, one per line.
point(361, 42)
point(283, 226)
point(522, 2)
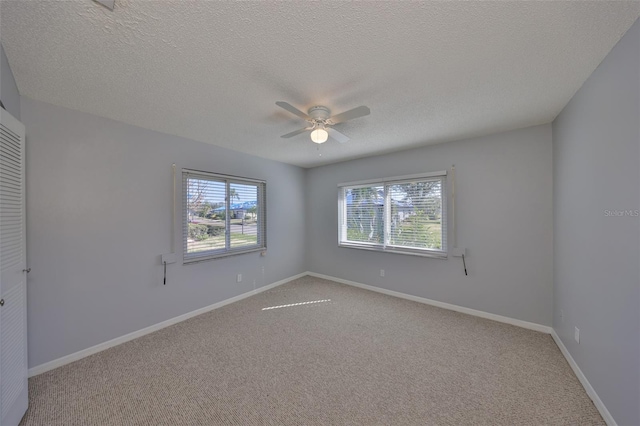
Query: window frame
point(261, 222)
point(385, 247)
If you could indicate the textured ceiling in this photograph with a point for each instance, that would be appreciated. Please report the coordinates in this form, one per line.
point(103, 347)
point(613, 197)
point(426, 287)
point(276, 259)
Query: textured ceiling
point(212, 71)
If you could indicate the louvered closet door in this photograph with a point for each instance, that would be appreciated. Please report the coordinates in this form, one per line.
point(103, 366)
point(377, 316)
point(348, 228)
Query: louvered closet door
point(13, 295)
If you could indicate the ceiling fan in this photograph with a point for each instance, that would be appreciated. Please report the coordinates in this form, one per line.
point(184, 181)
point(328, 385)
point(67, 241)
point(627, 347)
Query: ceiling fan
point(321, 122)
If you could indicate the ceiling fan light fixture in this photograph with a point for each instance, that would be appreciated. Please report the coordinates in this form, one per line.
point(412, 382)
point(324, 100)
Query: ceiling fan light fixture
point(319, 135)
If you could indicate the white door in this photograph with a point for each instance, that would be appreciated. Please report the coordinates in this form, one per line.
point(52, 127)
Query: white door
point(13, 277)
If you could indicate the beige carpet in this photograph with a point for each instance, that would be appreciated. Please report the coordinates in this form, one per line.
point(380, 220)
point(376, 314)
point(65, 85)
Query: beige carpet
point(353, 357)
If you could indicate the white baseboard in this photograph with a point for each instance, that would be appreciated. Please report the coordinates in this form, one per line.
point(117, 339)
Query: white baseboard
point(449, 306)
point(606, 415)
point(39, 369)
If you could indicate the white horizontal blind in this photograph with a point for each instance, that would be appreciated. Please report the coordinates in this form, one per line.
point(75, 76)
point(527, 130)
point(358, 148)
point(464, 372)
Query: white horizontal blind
point(222, 215)
point(364, 215)
point(416, 215)
point(405, 215)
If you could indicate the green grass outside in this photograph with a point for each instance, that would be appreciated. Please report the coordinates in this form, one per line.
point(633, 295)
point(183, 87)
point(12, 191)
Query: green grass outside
point(423, 234)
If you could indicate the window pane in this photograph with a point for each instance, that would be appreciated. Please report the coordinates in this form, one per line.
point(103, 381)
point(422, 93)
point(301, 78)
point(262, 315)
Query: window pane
point(205, 215)
point(416, 214)
point(243, 215)
point(365, 214)
point(222, 215)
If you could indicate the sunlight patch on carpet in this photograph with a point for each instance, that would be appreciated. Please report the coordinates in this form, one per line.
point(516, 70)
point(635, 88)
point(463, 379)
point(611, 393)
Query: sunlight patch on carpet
point(296, 304)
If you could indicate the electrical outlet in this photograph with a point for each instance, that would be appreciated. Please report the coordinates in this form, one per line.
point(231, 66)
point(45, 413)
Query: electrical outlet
point(576, 335)
point(561, 315)
point(239, 278)
point(382, 272)
point(263, 269)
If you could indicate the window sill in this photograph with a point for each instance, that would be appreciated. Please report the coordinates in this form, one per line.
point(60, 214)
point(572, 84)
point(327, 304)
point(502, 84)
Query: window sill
point(215, 256)
point(380, 249)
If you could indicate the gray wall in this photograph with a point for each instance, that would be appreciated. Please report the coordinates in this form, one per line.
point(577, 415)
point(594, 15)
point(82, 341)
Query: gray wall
point(99, 216)
point(597, 278)
point(504, 219)
point(8, 89)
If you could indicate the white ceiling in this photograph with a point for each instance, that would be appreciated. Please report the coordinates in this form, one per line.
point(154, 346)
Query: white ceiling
point(212, 71)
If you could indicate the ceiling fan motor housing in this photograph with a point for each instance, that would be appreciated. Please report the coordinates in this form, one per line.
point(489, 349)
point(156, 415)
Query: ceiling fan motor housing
point(319, 113)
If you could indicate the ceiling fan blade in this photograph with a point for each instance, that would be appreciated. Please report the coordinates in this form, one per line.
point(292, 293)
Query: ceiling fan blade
point(297, 132)
point(293, 110)
point(337, 135)
point(360, 111)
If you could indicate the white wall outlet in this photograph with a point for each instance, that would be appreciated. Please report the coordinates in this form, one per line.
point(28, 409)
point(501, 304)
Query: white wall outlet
point(561, 315)
point(263, 269)
point(576, 335)
point(239, 278)
point(382, 272)
point(169, 258)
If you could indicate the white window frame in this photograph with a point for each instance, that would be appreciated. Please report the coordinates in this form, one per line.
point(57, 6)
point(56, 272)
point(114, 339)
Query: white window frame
point(227, 250)
point(385, 247)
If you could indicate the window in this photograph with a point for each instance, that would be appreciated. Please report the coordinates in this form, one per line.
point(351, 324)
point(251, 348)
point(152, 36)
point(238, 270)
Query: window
point(402, 215)
point(223, 215)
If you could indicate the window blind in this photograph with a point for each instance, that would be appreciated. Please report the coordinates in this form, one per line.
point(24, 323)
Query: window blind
point(222, 215)
point(404, 215)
